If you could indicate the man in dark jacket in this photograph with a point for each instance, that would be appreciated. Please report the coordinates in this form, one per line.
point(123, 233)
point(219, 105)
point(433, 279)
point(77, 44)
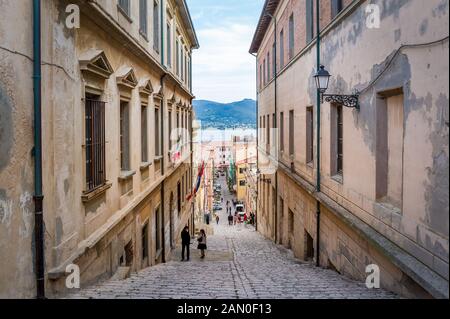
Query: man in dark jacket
point(185, 242)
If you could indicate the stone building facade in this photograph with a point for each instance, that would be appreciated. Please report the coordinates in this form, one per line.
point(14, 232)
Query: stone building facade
point(115, 172)
point(382, 196)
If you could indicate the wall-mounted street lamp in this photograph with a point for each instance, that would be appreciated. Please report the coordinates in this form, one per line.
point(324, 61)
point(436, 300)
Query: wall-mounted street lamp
point(322, 78)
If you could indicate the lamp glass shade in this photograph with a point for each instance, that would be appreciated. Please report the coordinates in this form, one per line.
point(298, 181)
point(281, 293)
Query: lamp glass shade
point(322, 78)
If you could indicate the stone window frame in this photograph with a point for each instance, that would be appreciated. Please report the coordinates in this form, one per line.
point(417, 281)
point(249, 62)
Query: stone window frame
point(96, 70)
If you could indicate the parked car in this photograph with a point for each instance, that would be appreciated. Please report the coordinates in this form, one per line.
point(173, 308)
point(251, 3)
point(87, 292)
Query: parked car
point(240, 209)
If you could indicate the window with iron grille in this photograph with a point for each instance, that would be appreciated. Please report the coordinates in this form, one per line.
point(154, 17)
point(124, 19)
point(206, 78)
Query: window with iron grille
point(144, 134)
point(124, 136)
point(143, 17)
point(340, 140)
point(337, 140)
point(268, 66)
point(95, 143)
point(309, 134)
point(125, 6)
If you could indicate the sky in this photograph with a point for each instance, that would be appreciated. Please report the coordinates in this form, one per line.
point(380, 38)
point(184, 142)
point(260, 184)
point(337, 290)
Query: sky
point(223, 70)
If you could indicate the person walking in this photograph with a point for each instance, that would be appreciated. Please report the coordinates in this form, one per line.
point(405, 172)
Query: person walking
point(217, 219)
point(230, 219)
point(185, 243)
point(202, 243)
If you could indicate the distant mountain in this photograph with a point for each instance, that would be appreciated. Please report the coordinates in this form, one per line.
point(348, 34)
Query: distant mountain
point(226, 115)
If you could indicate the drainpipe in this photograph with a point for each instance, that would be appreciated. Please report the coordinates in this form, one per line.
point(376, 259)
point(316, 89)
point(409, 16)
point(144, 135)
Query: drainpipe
point(37, 152)
point(257, 145)
point(318, 102)
point(163, 171)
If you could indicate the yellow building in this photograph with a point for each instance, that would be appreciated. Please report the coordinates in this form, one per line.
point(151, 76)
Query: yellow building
point(244, 154)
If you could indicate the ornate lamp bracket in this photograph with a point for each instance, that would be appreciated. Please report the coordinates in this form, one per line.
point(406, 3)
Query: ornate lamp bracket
point(351, 101)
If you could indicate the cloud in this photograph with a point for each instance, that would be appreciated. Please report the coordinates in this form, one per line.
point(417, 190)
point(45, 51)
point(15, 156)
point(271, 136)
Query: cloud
point(223, 70)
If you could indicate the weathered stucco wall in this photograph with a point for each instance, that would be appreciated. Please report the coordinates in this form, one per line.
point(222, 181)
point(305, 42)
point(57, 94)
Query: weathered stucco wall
point(355, 55)
point(90, 234)
point(16, 162)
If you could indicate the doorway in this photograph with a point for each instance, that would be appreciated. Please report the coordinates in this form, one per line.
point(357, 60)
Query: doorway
point(171, 222)
point(309, 247)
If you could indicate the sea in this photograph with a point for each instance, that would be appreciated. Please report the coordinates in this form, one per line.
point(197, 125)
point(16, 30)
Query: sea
point(217, 135)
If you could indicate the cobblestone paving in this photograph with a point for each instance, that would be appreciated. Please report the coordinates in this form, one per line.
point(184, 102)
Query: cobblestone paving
point(240, 264)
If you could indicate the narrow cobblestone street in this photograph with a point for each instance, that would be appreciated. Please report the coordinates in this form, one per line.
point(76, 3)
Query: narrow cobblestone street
point(240, 264)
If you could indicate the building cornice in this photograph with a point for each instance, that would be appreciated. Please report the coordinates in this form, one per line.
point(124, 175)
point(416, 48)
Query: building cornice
point(95, 11)
point(270, 6)
point(187, 20)
point(323, 33)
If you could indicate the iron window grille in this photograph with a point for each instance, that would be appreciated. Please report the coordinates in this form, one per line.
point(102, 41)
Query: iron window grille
point(340, 140)
point(95, 144)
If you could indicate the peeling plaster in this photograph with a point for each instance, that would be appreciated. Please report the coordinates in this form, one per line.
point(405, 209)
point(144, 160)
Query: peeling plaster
point(423, 27)
point(62, 16)
point(27, 214)
point(441, 9)
point(397, 76)
point(6, 127)
point(6, 210)
point(66, 186)
point(59, 230)
point(437, 191)
point(392, 7)
point(398, 35)
point(358, 22)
